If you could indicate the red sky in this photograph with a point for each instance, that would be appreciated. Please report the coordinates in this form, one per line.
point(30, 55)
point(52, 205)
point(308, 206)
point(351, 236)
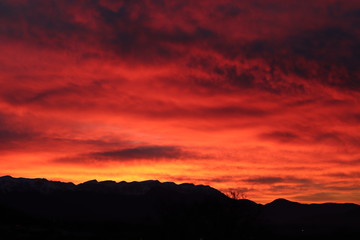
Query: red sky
point(258, 96)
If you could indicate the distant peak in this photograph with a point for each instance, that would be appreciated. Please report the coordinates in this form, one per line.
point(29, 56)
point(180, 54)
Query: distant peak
point(94, 181)
point(6, 177)
point(108, 181)
point(281, 202)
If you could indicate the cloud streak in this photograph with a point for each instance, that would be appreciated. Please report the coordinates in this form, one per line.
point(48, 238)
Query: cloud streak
point(150, 153)
point(273, 180)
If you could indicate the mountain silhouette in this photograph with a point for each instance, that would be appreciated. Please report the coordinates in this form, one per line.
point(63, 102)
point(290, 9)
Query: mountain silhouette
point(42, 209)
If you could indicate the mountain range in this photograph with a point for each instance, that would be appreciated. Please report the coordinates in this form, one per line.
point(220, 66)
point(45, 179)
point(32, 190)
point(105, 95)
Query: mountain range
point(42, 209)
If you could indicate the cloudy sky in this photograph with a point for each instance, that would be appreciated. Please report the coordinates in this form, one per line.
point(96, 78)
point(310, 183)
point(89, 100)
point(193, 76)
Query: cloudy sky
point(257, 96)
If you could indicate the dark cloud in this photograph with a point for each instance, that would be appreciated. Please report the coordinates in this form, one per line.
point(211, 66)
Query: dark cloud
point(327, 53)
point(242, 79)
point(306, 135)
point(143, 152)
point(346, 188)
point(280, 136)
point(282, 188)
point(334, 53)
point(12, 135)
point(99, 95)
point(220, 179)
point(7, 136)
point(264, 180)
point(353, 118)
point(58, 96)
point(229, 10)
point(46, 23)
point(19, 135)
point(136, 153)
point(342, 175)
point(320, 197)
point(196, 112)
point(353, 162)
point(275, 180)
point(338, 138)
point(329, 137)
point(235, 111)
point(125, 32)
point(90, 142)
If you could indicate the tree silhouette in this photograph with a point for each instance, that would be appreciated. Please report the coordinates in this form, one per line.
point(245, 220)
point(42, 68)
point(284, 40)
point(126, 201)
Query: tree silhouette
point(235, 194)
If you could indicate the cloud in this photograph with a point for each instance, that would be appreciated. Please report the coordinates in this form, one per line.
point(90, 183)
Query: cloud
point(353, 118)
point(308, 135)
point(58, 96)
point(143, 152)
point(19, 135)
point(134, 154)
point(279, 136)
point(351, 162)
point(12, 135)
point(7, 136)
point(275, 180)
point(320, 197)
point(342, 175)
point(324, 51)
point(346, 188)
point(100, 96)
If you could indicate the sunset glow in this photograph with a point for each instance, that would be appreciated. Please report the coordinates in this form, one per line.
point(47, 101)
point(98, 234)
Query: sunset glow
point(258, 96)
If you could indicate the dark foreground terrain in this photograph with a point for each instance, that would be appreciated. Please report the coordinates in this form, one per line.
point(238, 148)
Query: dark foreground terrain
point(42, 209)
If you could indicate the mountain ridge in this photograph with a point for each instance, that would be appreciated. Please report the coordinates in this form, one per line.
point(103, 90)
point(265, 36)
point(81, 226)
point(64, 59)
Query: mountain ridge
point(8, 183)
point(111, 183)
point(154, 210)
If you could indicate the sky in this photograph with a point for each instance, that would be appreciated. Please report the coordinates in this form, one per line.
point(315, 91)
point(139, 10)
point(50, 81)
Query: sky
point(259, 97)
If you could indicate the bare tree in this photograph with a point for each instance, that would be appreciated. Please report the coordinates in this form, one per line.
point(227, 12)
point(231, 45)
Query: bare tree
point(234, 194)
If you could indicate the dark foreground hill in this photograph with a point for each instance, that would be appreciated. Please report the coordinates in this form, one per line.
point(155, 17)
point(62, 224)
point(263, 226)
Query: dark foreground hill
point(42, 209)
